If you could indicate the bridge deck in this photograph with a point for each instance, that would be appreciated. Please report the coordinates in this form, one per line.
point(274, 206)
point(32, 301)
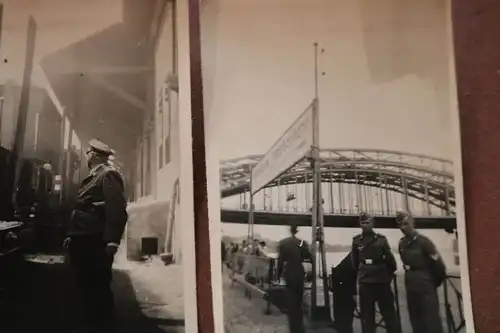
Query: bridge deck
point(332, 221)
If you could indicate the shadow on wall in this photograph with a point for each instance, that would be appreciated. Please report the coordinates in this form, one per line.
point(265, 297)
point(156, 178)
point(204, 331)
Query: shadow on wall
point(154, 219)
point(146, 220)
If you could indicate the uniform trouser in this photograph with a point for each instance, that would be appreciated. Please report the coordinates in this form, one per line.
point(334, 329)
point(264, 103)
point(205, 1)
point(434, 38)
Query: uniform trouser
point(382, 295)
point(92, 268)
point(344, 305)
point(295, 293)
point(423, 308)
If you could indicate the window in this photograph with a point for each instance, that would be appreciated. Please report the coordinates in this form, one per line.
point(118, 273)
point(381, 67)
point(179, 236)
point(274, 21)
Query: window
point(147, 180)
point(168, 153)
point(141, 169)
point(166, 63)
point(160, 156)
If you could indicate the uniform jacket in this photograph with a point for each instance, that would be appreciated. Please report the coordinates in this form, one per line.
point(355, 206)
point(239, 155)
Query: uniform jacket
point(100, 206)
point(292, 252)
point(372, 258)
point(424, 267)
point(45, 183)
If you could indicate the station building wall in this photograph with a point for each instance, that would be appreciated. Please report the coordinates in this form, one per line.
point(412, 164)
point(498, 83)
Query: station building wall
point(156, 213)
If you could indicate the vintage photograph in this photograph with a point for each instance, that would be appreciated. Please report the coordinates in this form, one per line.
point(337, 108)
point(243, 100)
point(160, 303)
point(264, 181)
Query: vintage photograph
point(91, 238)
point(334, 129)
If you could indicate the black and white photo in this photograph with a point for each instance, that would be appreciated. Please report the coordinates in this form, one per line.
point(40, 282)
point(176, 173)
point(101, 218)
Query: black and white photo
point(96, 227)
point(334, 172)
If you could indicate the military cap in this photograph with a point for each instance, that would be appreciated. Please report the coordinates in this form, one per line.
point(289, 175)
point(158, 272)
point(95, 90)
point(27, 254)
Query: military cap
point(402, 217)
point(100, 147)
point(365, 217)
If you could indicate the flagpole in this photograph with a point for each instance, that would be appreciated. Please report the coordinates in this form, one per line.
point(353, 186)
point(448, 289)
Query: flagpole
point(314, 171)
point(250, 212)
point(317, 218)
point(316, 79)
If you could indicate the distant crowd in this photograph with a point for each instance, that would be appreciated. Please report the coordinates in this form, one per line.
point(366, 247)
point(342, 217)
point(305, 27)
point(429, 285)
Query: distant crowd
point(231, 253)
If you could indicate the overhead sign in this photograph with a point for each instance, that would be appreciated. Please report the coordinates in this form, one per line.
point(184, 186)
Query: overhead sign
point(293, 146)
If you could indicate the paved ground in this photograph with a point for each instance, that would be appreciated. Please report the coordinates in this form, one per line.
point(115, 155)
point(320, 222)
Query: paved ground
point(148, 296)
point(246, 313)
point(243, 314)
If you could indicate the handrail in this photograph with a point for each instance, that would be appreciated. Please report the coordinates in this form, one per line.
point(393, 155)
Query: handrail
point(259, 276)
point(453, 325)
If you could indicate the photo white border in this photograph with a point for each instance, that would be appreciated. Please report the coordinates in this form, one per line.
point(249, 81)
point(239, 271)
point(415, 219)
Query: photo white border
point(214, 204)
point(214, 200)
point(186, 169)
point(458, 173)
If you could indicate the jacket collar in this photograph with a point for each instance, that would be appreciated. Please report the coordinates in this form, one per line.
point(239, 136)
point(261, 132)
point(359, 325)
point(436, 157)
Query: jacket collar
point(95, 170)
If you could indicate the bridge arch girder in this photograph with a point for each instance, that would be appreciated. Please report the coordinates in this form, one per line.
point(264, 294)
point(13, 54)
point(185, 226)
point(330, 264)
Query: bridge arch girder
point(423, 182)
point(436, 195)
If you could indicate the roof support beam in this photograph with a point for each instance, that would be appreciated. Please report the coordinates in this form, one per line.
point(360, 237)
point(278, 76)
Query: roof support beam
point(120, 70)
point(118, 92)
point(105, 70)
point(50, 91)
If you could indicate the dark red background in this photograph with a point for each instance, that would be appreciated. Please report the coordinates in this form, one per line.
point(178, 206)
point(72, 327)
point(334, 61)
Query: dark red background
point(202, 237)
point(476, 25)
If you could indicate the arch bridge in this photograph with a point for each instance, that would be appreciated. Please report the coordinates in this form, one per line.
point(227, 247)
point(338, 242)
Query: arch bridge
point(353, 180)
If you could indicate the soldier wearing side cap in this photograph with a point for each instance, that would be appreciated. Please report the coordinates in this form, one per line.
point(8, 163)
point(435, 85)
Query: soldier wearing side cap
point(375, 264)
point(292, 252)
point(425, 271)
point(94, 233)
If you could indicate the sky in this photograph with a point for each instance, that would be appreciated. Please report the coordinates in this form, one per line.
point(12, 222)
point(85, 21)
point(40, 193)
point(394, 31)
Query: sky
point(262, 76)
point(385, 84)
point(60, 23)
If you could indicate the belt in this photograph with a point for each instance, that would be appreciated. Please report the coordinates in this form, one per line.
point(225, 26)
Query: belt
point(412, 268)
point(372, 262)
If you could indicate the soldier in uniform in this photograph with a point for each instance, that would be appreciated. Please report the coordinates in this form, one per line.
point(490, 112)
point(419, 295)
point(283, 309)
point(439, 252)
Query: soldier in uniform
point(94, 233)
point(44, 189)
point(292, 252)
point(373, 260)
point(425, 271)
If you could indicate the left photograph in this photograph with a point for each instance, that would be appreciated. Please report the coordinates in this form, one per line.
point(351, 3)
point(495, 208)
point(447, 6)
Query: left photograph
point(91, 113)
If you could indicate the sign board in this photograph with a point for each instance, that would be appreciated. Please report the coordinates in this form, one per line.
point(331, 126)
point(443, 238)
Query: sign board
point(293, 146)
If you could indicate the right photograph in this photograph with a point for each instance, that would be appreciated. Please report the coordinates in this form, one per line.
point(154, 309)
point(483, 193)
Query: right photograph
point(334, 128)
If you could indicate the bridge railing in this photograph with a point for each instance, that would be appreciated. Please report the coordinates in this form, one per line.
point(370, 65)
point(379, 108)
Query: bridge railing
point(259, 272)
point(455, 318)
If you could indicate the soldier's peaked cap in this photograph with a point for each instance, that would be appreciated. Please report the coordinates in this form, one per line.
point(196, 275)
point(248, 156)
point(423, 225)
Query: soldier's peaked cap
point(100, 147)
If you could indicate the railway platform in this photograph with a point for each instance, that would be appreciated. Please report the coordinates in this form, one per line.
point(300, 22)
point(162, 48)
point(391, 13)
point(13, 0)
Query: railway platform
point(47, 299)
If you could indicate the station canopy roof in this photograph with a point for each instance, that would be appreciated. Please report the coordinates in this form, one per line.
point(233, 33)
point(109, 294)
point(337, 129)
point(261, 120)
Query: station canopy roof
point(102, 83)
